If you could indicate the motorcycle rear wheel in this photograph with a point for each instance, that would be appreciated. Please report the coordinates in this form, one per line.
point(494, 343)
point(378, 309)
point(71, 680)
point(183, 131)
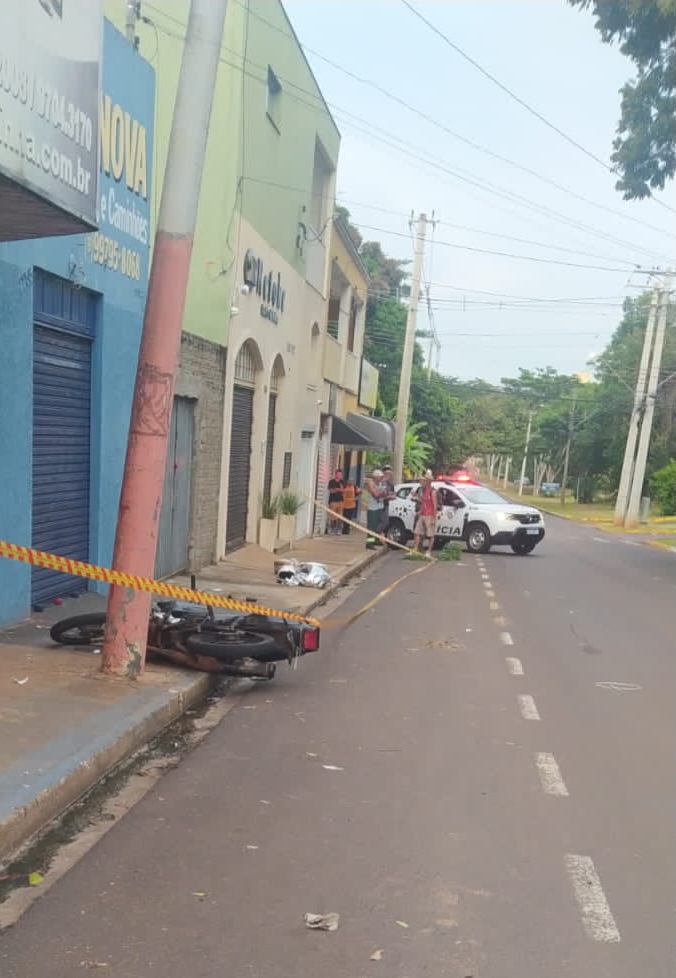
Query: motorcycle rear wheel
point(228, 646)
point(80, 629)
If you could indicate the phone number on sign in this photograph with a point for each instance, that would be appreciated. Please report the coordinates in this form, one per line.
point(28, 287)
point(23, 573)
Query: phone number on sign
point(109, 253)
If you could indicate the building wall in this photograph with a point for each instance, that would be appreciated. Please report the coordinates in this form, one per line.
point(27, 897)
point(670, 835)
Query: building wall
point(202, 378)
point(130, 83)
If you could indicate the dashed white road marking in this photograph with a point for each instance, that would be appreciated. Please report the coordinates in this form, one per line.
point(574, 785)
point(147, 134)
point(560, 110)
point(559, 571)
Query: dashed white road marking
point(506, 638)
point(515, 667)
point(529, 710)
point(597, 918)
point(550, 775)
point(487, 583)
point(494, 606)
point(490, 594)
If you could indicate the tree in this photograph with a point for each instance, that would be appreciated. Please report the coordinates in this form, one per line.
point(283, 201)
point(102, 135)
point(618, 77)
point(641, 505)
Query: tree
point(644, 150)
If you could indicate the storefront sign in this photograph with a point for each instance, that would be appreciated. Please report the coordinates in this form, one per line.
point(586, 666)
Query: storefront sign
point(126, 124)
point(368, 385)
point(266, 287)
point(50, 59)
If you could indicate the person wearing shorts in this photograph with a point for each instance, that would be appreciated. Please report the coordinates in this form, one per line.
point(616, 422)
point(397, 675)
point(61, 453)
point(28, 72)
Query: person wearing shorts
point(426, 522)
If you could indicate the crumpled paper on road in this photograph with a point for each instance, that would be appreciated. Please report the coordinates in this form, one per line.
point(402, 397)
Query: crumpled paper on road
point(296, 574)
point(322, 921)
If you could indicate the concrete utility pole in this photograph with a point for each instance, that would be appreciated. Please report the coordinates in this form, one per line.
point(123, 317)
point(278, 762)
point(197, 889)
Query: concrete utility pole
point(634, 504)
point(525, 451)
point(409, 346)
point(626, 476)
point(141, 496)
point(567, 455)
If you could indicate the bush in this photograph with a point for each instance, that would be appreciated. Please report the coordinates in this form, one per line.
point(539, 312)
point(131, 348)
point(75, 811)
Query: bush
point(663, 488)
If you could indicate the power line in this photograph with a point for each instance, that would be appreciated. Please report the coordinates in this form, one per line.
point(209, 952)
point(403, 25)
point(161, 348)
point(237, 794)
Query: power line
point(370, 130)
point(502, 254)
point(508, 91)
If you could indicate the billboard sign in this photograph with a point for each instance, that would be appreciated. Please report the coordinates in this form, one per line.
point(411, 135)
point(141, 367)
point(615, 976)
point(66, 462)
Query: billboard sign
point(368, 385)
point(126, 117)
point(50, 60)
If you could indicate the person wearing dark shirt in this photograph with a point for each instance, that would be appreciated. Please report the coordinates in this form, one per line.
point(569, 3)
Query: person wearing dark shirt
point(336, 487)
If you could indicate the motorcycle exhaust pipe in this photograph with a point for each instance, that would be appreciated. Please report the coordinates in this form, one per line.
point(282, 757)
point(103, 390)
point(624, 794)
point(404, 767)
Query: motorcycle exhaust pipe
point(249, 669)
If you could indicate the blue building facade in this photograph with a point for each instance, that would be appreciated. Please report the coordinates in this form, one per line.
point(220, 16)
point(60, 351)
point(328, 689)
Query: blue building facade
point(71, 314)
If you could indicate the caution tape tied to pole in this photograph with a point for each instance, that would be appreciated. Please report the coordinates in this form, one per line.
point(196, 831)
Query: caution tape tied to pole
point(92, 572)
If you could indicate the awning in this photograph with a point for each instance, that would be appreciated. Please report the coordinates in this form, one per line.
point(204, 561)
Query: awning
point(343, 433)
point(378, 432)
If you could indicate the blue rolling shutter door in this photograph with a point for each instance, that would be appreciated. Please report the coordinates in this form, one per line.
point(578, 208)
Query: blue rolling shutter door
point(61, 434)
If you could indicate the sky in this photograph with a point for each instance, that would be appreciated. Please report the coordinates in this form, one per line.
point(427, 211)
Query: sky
point(393, 162)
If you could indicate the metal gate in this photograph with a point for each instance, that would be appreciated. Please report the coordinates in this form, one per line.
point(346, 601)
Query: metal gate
point(174, 530)
point(64, 326)
point(240, 467)
point(269, 448)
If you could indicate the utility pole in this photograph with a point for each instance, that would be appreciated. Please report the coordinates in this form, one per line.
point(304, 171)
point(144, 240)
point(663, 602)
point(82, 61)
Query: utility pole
point(634, 504)
point(525, 451)
point(141, 495)
point(409, 346)
point(626, 476)
point(567, 455)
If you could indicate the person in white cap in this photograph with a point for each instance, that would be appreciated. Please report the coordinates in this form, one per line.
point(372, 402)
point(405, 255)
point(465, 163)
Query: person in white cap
point(425, 525)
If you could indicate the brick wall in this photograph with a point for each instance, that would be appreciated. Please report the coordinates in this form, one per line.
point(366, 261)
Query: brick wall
point(202, 378)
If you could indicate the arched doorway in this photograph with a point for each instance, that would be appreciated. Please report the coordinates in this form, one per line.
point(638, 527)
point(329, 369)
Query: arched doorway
point(276, 376)
point(247, 366)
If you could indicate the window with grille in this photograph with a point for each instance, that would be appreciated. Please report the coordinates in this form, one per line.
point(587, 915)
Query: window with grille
point(245, 366)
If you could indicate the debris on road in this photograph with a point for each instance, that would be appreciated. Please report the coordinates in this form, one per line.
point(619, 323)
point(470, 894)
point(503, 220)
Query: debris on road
point(294, 574)
point(332, 767)
point(378, 955)
point(20, 682)
point(322, 921)
point(402, 923)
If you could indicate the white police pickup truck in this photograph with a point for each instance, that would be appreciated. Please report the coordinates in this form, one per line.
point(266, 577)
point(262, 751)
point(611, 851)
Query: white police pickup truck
point(472, 513)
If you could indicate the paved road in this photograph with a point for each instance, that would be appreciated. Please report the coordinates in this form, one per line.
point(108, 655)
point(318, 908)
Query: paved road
point(496, 813)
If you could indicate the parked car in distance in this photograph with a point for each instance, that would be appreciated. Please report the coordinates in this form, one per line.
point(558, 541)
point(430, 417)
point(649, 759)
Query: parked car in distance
point(474, 514)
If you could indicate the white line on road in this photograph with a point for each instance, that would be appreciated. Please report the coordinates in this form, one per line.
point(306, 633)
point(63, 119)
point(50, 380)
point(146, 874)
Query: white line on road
point(529, 710)
point(490, 594)
point(506, 638)
point(487, 583)
point(550, 776)
point(597, 919)
point(494, 606)
point(515, 667)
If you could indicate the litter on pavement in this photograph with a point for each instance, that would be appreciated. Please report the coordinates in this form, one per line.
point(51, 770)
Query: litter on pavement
point(322, 921)
point(295, 574)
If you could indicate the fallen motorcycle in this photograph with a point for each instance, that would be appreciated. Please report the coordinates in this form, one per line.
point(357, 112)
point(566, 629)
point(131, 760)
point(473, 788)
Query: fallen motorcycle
point(192, 635)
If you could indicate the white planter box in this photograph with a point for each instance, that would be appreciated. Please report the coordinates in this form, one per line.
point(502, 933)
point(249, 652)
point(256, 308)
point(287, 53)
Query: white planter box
point(287, 527)
point(267, 535)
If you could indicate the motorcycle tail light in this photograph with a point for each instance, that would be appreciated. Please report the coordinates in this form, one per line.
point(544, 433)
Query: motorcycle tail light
point(310, 640)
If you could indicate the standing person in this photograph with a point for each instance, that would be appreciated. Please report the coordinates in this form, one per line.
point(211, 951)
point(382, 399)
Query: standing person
point(375, 505)
point(350, 495)
point(388, 483)
point(425, 525)
point(336, 488)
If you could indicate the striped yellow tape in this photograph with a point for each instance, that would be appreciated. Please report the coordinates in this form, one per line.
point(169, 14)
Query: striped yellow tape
point(92, 572)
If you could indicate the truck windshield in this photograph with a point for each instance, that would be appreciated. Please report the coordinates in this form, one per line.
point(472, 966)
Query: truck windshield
point(482, 496)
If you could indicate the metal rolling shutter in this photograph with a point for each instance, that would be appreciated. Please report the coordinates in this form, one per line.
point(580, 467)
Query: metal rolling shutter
point(61, 456)
point(270, 448)
point(174, 531)
point(240, 467)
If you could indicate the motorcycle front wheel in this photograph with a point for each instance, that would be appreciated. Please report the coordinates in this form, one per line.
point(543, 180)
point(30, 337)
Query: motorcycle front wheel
point(80, 629)
point(228, 646)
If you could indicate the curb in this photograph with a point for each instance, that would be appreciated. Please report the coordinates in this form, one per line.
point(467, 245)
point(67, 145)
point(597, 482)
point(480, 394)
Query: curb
point(64, 770)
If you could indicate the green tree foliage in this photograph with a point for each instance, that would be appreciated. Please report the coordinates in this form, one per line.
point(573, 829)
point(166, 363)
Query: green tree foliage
point(663, 488)
point(644, 150)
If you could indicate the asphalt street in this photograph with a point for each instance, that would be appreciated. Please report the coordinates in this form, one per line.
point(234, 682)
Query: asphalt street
point(477, 775)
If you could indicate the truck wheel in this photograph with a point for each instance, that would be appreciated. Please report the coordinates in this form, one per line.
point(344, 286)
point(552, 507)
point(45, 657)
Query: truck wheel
point(521, 549)
point(478, 538)
point(396, 532)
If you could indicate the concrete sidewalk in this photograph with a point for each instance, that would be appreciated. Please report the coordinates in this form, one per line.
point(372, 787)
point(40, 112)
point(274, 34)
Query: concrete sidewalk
point(64, 726)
